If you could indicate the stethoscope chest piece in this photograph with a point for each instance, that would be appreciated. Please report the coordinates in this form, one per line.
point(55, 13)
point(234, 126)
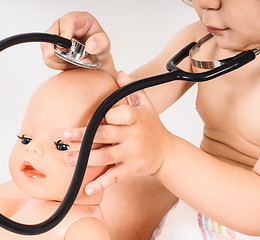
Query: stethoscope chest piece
point(77, 55)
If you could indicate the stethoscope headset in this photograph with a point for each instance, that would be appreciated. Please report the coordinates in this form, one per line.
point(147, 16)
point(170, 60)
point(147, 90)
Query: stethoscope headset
point(76, 54)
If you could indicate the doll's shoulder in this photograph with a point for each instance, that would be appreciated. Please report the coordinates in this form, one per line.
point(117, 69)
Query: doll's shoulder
point(11, 198)
point(10, 190)
point(89, 227)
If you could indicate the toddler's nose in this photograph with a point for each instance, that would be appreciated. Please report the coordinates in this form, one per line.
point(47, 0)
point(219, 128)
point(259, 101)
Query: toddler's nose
point(210, 4)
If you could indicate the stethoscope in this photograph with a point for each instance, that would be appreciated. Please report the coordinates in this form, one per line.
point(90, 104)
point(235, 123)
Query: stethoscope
point(75, 53)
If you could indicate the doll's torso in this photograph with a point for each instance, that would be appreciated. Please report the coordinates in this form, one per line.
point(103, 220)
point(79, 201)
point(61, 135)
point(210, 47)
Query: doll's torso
point(36, 211)
point(229, 107)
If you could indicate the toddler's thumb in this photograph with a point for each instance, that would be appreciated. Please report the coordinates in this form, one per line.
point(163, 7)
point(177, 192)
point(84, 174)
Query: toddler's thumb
point(66, 34)
point(136, 98)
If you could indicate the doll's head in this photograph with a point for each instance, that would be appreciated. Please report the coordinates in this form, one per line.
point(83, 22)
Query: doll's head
point(67, 100)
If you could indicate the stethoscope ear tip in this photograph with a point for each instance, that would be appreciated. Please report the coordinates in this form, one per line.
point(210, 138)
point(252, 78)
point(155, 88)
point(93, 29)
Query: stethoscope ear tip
point(257, 51)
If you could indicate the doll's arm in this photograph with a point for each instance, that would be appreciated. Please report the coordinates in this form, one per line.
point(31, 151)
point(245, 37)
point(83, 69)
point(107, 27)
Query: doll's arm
point(11, 198)
point(87, 228)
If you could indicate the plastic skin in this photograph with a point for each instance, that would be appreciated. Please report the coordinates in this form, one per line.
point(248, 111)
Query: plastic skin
point(37, 163)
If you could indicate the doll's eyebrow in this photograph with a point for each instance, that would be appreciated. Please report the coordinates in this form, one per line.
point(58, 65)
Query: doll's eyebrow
point(59, 141)
point(56, 143)
point(23, 136)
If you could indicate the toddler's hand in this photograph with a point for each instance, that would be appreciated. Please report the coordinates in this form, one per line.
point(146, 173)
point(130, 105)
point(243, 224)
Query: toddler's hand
point(85, 28)
point(139, 142)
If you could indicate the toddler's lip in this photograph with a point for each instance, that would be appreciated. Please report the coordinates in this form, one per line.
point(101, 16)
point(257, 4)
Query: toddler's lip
point(29, 171)
point(215, 30)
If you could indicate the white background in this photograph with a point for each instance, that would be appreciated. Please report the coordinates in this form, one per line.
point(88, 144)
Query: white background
point(138, 30)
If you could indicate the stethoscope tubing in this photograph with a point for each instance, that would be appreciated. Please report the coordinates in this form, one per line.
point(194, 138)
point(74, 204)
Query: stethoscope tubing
point(174, 74)
point(34, 37)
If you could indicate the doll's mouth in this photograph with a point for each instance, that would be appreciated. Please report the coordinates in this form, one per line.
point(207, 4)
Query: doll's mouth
point(29, 171)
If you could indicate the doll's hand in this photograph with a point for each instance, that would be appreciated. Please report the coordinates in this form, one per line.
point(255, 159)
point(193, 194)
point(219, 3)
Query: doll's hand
point(139, 143)
point(84, 27)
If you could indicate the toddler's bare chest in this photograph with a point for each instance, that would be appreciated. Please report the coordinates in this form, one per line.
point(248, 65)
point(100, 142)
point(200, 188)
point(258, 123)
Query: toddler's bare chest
point(230, 109)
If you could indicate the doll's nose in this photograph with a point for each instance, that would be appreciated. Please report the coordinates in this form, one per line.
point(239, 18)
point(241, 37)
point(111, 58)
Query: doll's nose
point(35, 148)
point(210, 4)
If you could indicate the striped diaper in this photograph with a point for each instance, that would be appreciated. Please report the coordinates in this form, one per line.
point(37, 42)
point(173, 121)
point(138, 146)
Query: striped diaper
point(182, 222)
point(212, 230)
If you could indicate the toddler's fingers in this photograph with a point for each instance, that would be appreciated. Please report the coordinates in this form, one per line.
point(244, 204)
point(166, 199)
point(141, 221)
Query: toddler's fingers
point(71, 158)
point(108, 134)
point(123, 79)
point(121, 115)
point(98, 44)
point(80, 25)
point(58, 64)
point(106, 155)
point(47, 48)
point(74, 134)
point(136, 98)
point(112, 176)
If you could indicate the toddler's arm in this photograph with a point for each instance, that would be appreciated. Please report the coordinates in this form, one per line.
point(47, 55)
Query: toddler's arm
point(226, 193)
point(163, 96)
point(85, 27)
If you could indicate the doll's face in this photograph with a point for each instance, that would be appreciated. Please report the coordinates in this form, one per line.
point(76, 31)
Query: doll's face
point(67, 100)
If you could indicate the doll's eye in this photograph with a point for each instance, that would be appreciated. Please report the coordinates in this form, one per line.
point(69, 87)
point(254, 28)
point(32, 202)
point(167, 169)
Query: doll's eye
point(61, 145)
point(25, 139)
